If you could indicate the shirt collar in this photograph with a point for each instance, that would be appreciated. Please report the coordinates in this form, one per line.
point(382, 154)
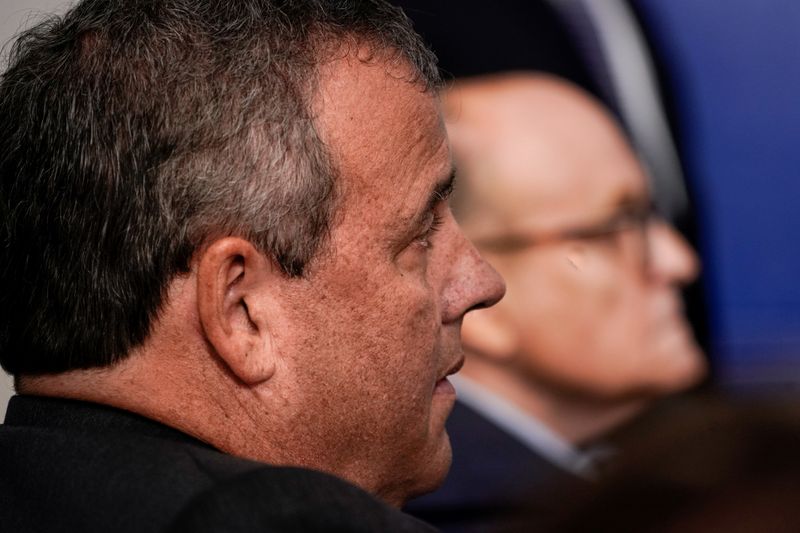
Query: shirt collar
point(528, 429)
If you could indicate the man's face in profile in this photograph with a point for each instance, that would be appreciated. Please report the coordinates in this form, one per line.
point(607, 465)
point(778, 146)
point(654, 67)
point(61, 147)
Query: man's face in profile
point(593, 305)
point(378, 316)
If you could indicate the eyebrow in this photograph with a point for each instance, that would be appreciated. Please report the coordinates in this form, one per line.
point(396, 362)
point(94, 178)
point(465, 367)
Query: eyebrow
point(626, 201)
point(631, 201)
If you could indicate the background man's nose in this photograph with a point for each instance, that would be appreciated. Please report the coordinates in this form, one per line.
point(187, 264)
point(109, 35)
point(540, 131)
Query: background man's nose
point(672, 259)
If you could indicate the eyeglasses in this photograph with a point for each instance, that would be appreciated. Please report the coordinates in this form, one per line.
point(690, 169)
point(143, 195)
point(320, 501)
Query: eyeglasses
point(633, 219)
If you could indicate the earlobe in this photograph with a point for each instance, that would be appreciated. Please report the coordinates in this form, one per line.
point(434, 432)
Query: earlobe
point(232, 280)
point(485, 334)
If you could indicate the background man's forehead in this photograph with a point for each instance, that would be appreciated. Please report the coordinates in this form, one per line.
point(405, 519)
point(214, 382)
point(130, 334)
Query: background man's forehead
point(511, 134)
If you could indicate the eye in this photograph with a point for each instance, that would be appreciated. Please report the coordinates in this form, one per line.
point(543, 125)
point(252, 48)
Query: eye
point(434, 223)
point(629, 218)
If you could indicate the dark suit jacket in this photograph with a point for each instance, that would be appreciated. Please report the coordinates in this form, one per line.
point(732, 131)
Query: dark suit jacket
point(495, 482)
point(81, 467)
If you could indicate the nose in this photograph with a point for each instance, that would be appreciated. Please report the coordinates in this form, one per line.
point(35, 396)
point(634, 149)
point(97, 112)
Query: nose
point(672, 259)
point(471, 283)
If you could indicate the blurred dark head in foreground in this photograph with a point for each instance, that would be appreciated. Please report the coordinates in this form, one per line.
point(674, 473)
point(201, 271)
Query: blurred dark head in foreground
point(702, 465)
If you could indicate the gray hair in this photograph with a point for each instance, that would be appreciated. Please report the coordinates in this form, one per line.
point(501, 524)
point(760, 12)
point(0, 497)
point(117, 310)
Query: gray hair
point(134, 131)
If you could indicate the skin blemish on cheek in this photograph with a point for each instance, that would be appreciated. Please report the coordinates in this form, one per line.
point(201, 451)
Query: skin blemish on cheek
point(576, 259)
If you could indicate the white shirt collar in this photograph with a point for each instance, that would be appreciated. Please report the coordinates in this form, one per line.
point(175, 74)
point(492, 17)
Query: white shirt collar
point(526, 428)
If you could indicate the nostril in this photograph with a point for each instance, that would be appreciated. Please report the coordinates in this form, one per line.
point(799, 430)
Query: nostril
point(484, 291)
point(479, 305)
point(496, 291)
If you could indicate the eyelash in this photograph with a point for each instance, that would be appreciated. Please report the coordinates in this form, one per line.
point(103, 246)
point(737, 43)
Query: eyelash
point(436, 223)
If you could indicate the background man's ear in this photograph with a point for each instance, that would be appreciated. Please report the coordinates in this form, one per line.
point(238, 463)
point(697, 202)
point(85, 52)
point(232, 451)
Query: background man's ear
point(233, 284)
point(486, 333)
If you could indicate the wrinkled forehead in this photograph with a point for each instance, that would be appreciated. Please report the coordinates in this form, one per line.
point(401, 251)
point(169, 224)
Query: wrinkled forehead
point(383, 130)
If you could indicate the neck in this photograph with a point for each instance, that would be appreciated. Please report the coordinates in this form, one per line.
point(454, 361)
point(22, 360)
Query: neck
point(575, 418)
point(162, 386)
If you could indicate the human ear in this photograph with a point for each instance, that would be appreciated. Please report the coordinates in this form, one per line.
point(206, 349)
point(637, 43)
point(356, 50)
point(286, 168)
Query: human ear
point(485, 333)
point(233, 284)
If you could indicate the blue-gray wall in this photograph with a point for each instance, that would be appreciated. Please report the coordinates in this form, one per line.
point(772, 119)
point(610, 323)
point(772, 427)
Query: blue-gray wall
point(734, 66)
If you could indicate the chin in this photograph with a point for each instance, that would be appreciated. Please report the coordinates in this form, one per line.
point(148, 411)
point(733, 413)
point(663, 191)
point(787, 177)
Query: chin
point(676, 362)
point(424, 465)
point(686, 369)
point(693, 371)
point(435, 469)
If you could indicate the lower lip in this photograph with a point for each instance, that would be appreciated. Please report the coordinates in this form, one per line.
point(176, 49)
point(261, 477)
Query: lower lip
point(443, 386)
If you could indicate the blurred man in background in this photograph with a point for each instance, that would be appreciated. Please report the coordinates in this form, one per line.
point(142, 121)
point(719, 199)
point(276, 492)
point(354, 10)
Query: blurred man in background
point(591, 329)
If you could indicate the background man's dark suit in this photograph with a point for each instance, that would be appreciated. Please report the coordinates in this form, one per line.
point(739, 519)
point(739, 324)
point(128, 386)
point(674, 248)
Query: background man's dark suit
point(143, 476)
point(484, 489)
